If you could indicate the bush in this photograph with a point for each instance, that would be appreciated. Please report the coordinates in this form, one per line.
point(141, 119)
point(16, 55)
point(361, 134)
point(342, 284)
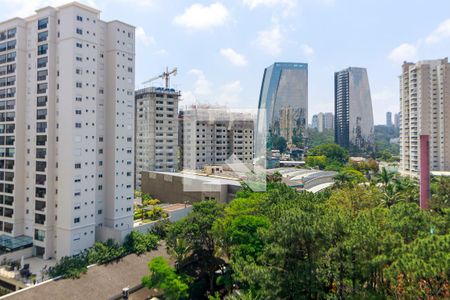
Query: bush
point(137, 242)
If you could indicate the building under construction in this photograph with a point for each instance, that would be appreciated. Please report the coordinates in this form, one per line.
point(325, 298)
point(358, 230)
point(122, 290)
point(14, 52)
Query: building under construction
point(156, 128)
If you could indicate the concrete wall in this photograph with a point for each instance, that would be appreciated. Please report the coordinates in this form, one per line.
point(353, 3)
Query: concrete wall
point(178, 189)
point(17, 255)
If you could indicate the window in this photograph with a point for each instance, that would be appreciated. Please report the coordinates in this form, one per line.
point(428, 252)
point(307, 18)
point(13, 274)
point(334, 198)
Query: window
point(42, 49)
point(41, 114)
point(41, 101)
point(42, 62)
point(78, 71)
point(79, 45)
point(12, 33)
point(76, 220)
point(77, 125)
point(42, 75)
point(79, 85)
point(42, 23)
point(79, 31)
point(80, 18)
point(78, 166)
point(42, 36)
point(79, 58)
point(42, 88)
point(78, 111)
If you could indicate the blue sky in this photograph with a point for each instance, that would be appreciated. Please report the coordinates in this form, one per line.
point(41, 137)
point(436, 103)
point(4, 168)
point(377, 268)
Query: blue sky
point(222, 47)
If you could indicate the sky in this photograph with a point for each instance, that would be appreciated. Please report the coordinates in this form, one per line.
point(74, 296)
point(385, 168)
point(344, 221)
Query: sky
point(222, 47)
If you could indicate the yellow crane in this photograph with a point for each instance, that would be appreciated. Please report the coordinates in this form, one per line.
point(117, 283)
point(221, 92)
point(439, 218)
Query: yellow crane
point(165, 76)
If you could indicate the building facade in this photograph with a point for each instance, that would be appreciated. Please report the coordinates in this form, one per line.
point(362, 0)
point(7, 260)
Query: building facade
point(397, 120)
point(389, 119)
point(424, 110)
point(283, 100)
point(67, 128)
point(215, 136)
point(323, 121)
point(156, 131)
point(354, 127)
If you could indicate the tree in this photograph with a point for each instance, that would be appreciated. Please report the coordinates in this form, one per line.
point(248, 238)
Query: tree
point(137, 242)
point(163, 277)
point(333, 152)
point(422, 269)
point(279, 143)
point(317, 161)
point(385, 177)
point(196, 231)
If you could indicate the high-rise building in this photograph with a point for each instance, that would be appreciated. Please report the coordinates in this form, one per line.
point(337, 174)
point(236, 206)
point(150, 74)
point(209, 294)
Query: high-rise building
point(389, 119)
point(323, 121)
point(328, 121)
point(215, 136)
point(156, 131)
point(424, 110)
point(67, 126)
point(353, 110)
point(315, 122)
point(283, 101)
point(397, 120)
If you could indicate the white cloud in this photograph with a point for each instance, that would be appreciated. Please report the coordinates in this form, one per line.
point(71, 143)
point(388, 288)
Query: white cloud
point(234, 57)
point(230, 94)
point(200, 16)
point(404, 52)
point(25, 8)
point(440, 33)
point(252, 4)
point(270, 40)
point(307, 50)
point(202, 86)
point(143, 37)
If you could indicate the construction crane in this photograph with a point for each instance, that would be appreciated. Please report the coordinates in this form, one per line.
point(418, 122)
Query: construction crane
point(165, 75)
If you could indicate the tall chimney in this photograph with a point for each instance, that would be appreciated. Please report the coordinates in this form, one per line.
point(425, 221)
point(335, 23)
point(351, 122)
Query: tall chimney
point(424, 171)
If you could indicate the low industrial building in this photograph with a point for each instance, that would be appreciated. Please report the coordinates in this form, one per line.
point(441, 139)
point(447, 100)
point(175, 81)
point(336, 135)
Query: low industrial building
point(188, 187)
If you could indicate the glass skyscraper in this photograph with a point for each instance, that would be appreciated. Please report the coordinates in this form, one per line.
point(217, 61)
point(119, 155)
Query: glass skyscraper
point(283, 101)
point(353, 110)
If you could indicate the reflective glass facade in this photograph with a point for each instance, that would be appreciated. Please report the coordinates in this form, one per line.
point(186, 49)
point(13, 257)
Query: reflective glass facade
point(284, 100)
point(353, 110)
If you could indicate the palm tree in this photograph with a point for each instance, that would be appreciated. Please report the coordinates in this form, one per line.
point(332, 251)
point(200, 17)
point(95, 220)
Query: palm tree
point(180, 251)
point(391, 195)
point(384, 177)
point(341, 179)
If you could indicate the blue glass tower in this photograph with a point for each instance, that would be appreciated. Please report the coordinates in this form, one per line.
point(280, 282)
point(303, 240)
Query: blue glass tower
point(283, 101)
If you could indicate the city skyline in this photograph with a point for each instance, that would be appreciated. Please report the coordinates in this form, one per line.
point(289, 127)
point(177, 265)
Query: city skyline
point(291, 30)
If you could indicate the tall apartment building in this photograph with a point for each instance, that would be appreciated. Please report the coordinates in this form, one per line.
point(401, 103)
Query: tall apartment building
point(424, 109)
point(66, 123)
point(353, 110)
point(211, 136)
point(323, 121)
point(389, 119)
point(156, 131)
point(397, 120)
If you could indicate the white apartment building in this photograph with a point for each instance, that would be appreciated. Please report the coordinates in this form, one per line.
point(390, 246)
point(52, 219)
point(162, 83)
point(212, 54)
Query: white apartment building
point(66, 125)
point(424, 109)
point(211, 136)
point(156, 131)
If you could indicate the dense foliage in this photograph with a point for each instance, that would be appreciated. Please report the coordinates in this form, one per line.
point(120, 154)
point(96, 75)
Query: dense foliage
point(163, 277)
point(327, 156)
point(355, 241)
point(384, 149)
point(100, 253)
point(316, 138)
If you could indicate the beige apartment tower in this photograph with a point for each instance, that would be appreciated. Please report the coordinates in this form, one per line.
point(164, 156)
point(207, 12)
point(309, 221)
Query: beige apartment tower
point(425, 109)
point(156, 131)
point(215, 136)
point(66, 126)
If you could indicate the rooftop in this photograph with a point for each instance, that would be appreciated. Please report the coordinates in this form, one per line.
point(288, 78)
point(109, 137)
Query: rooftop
point(100, 282)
